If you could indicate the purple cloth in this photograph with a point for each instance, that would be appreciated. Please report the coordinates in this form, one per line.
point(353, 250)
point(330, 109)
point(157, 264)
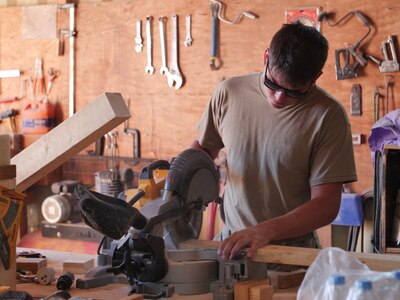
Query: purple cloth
point(386, 131)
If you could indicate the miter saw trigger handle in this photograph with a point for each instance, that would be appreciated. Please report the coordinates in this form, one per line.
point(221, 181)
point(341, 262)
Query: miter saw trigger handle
point(111, 216)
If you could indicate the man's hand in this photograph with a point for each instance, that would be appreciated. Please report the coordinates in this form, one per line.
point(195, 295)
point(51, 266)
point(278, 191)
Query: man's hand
point(252, 237)
point(319, 211)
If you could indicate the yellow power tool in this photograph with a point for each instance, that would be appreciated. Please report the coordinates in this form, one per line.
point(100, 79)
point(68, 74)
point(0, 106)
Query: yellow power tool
point(151, 182)
point(11, 204)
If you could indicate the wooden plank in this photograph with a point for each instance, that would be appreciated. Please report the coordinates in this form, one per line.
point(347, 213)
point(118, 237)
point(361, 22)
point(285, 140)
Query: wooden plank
point(31, 264)
point(261, 292)
point(67, 139)
point(299, 256)
point(7, 172)
point(284, 280)
point(241, 289)
point(284, 295)
point(78, 266)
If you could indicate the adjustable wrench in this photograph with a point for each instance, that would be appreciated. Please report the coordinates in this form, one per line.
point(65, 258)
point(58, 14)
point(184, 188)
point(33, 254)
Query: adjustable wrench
point(174, 76)
point(163, 68)
point(188, 39)
point(149, 68)
point(138, 38)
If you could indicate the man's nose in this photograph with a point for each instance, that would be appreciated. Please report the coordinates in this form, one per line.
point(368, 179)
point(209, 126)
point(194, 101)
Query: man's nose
point(279, 94)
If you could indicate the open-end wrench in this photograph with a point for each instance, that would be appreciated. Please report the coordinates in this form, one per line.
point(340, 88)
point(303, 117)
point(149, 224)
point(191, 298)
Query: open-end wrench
point(188, 39)
point(138, 38)
point(163, 68)
point(149, 68)
point(174, 75)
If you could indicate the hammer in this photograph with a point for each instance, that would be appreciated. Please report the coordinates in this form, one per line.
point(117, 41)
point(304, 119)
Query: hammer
point(10, 114)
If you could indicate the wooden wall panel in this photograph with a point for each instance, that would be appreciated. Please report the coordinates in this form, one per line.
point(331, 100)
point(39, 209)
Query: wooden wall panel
point(167, 118)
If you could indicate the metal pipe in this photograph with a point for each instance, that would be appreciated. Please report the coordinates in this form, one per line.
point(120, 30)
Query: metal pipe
point(71, 35)
point(136, 143)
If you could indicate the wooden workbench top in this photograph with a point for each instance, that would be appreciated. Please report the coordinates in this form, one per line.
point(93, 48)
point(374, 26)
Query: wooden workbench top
point(113, 291)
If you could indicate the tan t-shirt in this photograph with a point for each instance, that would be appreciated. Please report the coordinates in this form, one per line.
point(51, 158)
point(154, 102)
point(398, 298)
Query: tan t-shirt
point(275, 156)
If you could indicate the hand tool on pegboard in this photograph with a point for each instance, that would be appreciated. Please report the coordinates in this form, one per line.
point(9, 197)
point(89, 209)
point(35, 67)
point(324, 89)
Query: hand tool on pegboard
point(161, 25)
point(377, 97)
point(52, 76)
point(217, 11)
point(149, 69)
point(214, 37)
point(352, 54)
point(24, 81)
point(188, 40)
point(355, 100)
point(38, 80)
point(174, 76)
point(390, 63)
point(388, 85)
point(138, 38)
point(220, 12)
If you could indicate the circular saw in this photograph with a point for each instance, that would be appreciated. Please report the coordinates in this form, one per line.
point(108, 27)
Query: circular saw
point(191, 183)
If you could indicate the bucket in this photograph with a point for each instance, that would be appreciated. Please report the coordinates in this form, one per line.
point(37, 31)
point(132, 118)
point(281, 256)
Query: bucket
point(38, 117)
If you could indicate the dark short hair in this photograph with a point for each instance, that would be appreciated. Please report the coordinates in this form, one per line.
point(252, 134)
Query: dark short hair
point(298, 52)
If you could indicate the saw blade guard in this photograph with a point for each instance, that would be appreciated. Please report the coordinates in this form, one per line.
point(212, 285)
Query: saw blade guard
point(192, 183)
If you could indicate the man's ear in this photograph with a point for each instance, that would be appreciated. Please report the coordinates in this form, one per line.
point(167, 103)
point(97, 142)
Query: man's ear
point(316, 77)
point(266, 54)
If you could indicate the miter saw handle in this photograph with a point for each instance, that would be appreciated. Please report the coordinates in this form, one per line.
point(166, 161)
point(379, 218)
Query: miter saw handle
point(111, 216)
point(147, 171)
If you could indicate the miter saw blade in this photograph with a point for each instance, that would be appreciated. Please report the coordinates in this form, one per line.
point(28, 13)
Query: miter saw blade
point(191, 184)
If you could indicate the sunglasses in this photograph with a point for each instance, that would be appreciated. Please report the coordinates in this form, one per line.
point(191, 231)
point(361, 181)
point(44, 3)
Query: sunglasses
point(277, 88)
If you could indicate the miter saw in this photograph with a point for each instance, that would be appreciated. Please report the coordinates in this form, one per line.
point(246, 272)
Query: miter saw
point(146, 248)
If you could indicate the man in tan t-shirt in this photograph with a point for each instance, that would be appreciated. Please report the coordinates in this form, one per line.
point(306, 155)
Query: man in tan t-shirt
point(288, 145)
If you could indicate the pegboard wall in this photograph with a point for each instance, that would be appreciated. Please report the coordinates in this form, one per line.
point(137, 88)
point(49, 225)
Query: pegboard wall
point(106, 61)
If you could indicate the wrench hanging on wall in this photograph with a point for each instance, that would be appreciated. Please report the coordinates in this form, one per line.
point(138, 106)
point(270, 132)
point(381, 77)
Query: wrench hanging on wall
point(188, 39)
point(163, 68)
point(174, 75)
point(138, 38)
point(149, 68)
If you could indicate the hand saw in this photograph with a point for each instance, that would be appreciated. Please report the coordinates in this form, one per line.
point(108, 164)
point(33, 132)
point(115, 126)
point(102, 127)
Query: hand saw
point(11, 204)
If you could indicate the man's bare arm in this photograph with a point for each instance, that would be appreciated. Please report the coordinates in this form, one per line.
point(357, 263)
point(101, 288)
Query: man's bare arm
point(213, 153)
point(321, 210)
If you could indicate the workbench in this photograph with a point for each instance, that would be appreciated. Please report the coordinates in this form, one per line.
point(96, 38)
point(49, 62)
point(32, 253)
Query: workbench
point(113, 291)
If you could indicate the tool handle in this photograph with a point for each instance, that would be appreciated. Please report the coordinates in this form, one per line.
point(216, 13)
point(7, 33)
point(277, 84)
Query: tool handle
point(8, 100)
point(214, 35)
point(392, 48)
point(147, 172)
point(358, 56)
point(362, 18)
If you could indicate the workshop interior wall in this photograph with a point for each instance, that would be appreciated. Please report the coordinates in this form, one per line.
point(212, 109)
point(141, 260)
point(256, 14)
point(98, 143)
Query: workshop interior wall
point(166, 118)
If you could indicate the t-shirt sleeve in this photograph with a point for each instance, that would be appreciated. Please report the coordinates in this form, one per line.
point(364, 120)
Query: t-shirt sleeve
point(333, 156)
point(210, 123)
